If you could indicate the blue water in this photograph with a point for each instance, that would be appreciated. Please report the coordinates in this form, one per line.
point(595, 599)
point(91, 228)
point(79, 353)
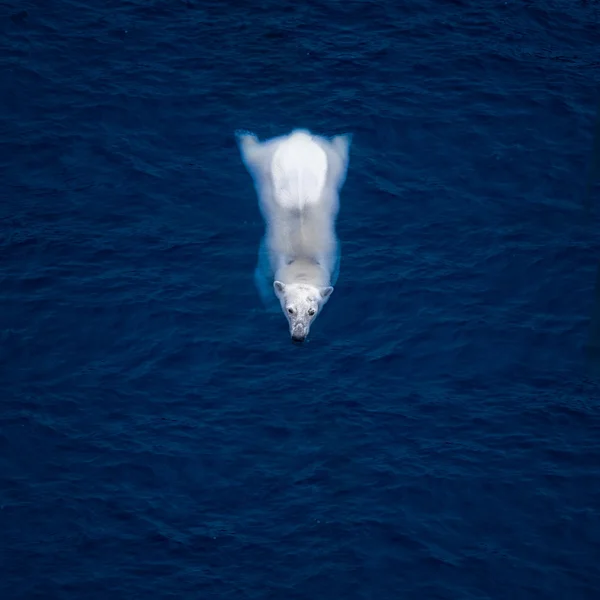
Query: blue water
point(438, 438)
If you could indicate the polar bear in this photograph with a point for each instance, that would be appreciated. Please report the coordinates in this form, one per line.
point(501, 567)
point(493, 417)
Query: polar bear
point(297, 178)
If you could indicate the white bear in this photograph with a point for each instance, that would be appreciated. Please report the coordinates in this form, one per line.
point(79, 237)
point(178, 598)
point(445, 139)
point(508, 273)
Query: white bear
point(298, 178)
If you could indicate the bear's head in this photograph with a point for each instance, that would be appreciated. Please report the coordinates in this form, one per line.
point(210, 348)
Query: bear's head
point(301, 304)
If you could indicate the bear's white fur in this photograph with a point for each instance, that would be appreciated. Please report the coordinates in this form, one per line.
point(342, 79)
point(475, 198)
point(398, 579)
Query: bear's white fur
point(297, 178)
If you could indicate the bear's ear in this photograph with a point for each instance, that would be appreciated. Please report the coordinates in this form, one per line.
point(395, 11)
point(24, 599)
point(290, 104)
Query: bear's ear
point(279, 287)
point(326, 291)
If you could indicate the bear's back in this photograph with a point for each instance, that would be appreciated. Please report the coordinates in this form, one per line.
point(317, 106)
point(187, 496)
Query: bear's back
point(298, 172)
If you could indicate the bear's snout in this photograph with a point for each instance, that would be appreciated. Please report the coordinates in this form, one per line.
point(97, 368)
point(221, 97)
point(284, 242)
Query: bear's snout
point(299, 333)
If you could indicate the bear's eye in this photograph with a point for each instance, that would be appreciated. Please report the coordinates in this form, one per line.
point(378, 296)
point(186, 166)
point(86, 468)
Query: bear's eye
point(291, 310)
point(311, 311)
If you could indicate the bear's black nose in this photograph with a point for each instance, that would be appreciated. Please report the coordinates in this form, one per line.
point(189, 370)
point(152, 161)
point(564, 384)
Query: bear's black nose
point(298, 337)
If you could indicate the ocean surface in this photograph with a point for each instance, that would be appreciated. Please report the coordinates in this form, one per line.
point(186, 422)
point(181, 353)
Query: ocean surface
point(438, 436)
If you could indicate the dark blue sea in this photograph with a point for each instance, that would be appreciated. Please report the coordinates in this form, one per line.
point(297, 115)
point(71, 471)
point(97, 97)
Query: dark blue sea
point(436, 438)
